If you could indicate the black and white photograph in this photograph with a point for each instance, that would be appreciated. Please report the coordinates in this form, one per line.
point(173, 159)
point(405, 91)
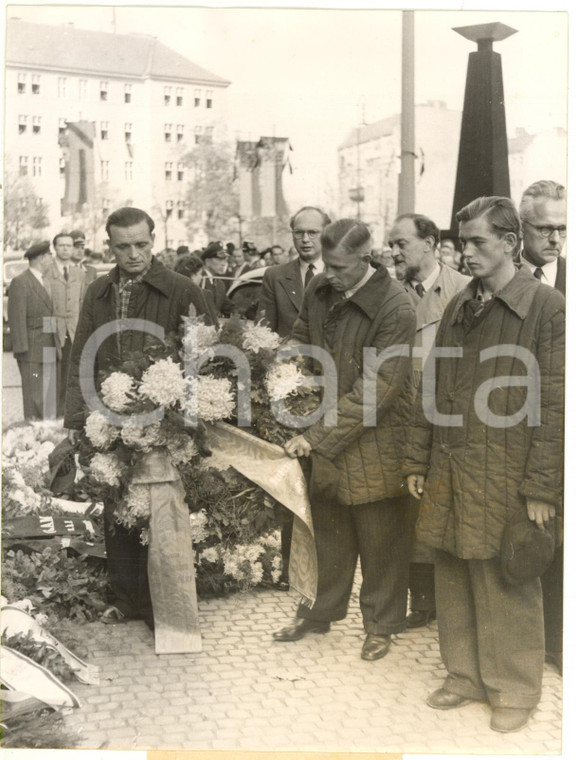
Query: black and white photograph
point(284, 428)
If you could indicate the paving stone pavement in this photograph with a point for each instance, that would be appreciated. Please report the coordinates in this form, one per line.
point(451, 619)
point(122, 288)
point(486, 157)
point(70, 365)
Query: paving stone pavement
point(247, 692)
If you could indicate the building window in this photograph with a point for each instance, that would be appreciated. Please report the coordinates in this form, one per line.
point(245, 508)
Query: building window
point(197, 98)
point(37, 166)
point(128, 169)
point(169, 209)
point(105, 169)
point(103, 90)
point(105, 206)
point(209, 99)
point(179, 96)
point(82, 88)
point(61, 87)
point(22, 124)
point(179, 132)
point(167, 95)
point(21, 84)
point(61, 127)
point(168, 170)
point(127, 93)
point(208, 133)
point(23, 166)
point(62, 166)
point(180, 209)
point(128, 132)
point(104, 130)
point(180, 172)
point(36, 125)
point(35, 84)
point(167, 132)
point(197, 135)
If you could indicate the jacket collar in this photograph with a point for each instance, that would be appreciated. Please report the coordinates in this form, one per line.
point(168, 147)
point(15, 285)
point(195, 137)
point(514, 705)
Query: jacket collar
point(369, 297)
point(158, 276)
point(518, 294)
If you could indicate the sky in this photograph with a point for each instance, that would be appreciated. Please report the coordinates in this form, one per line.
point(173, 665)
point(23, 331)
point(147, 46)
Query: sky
point(312, 75)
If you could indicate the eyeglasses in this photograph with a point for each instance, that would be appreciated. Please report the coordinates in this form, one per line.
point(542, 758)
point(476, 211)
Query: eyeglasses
point(546, 230)
point(312, 234)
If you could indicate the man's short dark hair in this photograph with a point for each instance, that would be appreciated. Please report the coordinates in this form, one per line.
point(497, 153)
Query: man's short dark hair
point(425, 227)
point(500, 214)
point(325, 218)
point(189, 265)
point(127, 216)
point(59, 235)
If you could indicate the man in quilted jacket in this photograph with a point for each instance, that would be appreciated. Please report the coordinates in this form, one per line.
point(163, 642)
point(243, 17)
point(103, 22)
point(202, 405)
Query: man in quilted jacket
point(485, 449)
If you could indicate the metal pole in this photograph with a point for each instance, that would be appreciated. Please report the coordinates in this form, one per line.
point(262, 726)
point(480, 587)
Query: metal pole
point(407, 152)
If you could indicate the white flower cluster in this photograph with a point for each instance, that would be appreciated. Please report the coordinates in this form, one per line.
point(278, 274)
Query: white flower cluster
point(163, 383)
point(99, 431)
point(141, 438)
point(29, 502)
point(181, 448)
point(106, 468)
point(242, 562)
point(138, 500)
point(118, 391)
point(198, 338)
point(256, 337)
point(282, 379)
point(198, 526)
point(211, 398)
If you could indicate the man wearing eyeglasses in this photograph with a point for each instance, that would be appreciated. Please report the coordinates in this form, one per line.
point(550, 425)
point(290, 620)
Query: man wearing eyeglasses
point(543, 214)
point(281, 297)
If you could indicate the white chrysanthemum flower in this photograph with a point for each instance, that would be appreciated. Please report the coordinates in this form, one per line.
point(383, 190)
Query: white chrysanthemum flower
point(213, 397)
point(197, 339)
point(210, 555)
point(106, 468)
point(118, 391)
point(181, 448)
point(256, 337)
point(145, 536)
point(141, 438)
point(163, 383)
point(100, 433)
point(198, 529)
point(257, 572)
point(282, 379)
point(138, 501)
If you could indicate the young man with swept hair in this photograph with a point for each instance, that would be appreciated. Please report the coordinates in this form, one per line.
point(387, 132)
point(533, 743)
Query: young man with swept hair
point(486, 447)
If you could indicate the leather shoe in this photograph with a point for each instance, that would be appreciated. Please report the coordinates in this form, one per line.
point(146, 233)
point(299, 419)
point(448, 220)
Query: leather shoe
point(300, 628)
point(442, 699)
point(509, 719)
point(420, 618)
point(376, 646)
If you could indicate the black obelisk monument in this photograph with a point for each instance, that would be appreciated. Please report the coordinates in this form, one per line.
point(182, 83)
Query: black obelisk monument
point(483, 155)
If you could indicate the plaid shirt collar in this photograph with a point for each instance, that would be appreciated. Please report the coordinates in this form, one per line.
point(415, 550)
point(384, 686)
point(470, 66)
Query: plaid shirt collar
point(125, 287)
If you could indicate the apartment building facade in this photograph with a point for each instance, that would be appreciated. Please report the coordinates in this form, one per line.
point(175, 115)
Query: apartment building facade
point(140, 106)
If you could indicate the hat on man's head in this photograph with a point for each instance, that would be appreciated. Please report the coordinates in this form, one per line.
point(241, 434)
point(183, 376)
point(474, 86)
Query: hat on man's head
point(526, 550)
point(77, 235)
point(248, 246)
point(38, 249)
point(214, 251)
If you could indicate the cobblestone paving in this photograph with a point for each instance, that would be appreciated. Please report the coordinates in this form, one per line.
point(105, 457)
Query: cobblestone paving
point(247, 692)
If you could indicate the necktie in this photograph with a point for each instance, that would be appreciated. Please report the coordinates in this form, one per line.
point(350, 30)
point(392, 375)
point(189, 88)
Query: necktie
point(66, 273)
point(419, 288)
point(309, 274)
point(538, 273)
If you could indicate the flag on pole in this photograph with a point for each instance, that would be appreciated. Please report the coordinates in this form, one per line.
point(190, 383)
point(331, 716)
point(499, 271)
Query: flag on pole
point(78, 144)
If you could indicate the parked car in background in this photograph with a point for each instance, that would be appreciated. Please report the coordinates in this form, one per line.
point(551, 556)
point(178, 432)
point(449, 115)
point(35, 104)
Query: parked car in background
point(244, 292)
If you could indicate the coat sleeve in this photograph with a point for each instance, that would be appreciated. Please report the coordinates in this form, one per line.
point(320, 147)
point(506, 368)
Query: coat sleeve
point(76, 408)
point(17, 297)
point(202, 305)
point(268, 307)
point(543, 479)
point(396, 328)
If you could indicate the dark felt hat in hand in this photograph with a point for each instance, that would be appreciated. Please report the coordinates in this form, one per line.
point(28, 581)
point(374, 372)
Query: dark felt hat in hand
point(62, 467)
point(527, 550)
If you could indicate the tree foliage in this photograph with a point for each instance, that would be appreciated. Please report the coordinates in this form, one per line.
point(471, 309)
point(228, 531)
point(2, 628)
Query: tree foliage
point(25, 214)
point(212, 196)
